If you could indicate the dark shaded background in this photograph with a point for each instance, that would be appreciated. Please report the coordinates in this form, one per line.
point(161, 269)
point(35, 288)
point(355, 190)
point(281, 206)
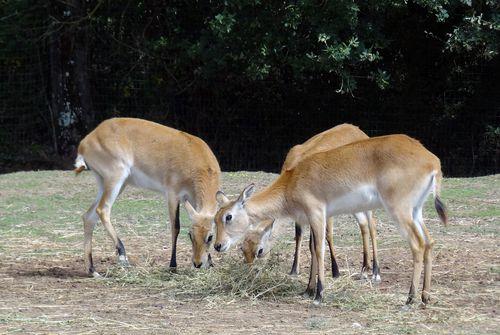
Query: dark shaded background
point(66, 66)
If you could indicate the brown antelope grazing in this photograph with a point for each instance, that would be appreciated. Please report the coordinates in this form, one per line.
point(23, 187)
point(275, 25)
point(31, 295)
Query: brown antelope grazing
point(395, 172)
point(256, 242)
point(127, 151)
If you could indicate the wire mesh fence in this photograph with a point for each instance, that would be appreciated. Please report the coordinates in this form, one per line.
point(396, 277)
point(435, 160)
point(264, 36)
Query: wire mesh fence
point(249, 126)
point(25, 119)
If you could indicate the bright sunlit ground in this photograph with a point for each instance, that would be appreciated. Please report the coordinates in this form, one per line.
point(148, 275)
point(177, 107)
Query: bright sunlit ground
point(43, 287)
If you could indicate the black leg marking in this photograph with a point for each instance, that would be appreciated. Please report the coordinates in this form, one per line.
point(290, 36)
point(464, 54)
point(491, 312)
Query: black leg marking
point(319, 291)
point(311, 274)
point(426, 298)
point(294, 267)
point(91, 266)
point(177, 227)
point(376, 269)
point(308, 293)
point(335, 269)
point(120, 248)
point(298, 230)
point(298, 235)
point(411, 295)
point(173, 260)
point(177, 217)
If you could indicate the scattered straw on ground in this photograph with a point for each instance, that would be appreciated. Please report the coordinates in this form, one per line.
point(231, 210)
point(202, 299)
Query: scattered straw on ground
point(43, 288)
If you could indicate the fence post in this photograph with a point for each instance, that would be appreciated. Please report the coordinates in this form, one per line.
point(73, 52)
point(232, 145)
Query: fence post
point(56, 86)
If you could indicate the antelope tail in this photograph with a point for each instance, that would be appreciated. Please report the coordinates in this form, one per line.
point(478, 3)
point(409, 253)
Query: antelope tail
point(80, 164)
point(438, 204)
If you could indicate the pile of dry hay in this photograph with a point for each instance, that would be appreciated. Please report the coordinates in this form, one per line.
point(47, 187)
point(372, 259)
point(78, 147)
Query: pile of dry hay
point(267, 279)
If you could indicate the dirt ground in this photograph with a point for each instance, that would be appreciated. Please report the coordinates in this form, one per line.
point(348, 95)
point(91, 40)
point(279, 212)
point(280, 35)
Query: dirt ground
point(43, 287)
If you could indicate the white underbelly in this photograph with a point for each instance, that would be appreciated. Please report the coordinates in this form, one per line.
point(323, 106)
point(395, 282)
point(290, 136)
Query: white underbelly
point(140, 179)
point(360, 200)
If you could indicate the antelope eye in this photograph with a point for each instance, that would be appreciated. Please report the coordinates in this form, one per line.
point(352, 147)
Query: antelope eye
point(209, 239)
point(228, 217)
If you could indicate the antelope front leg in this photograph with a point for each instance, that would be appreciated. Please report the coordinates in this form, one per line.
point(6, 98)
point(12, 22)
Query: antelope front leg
point(317, 223)
point(363, 226)
point(372, 225)
point(173, 212)
point(90, 218)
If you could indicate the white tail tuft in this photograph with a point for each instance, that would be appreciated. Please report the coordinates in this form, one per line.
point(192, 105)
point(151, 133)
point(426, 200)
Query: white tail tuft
point(80, 164)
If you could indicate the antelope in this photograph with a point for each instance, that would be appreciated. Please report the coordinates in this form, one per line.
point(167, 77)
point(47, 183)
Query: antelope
point(393, 172)
point(256, 242)
point(180, 166)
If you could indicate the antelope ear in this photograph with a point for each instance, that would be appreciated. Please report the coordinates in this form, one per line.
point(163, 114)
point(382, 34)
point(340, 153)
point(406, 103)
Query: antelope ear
point(221, 198)
point(190, 209)
point(267, 231)
point(247, 193)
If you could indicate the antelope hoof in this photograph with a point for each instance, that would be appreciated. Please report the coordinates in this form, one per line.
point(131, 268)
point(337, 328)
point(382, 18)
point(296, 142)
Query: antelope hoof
point(319, 293)
point(364, 274)
point(123, 261)
point(294, 272)
point(376, 279)
point(317, 302)
point(410, 300)
point(308, 293)
point(96, 274)
point(426, 298)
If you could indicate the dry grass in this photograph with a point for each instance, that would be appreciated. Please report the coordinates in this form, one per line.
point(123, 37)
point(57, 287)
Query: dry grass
point(43, 288)
point(232, 279)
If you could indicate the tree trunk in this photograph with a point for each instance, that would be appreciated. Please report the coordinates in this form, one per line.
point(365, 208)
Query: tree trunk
point(71, 98)
point(81, 54)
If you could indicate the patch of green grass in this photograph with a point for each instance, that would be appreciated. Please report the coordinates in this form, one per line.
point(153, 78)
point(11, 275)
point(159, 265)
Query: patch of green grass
point(480, 229)
point(495, 269)
point(493, 211)
point(458, 193)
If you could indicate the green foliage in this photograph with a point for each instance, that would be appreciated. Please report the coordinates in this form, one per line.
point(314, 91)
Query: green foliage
point(429, 55)
point(253, 40)
point(477, 35)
